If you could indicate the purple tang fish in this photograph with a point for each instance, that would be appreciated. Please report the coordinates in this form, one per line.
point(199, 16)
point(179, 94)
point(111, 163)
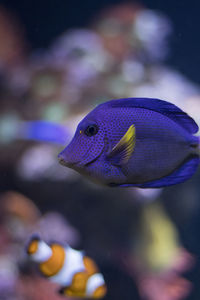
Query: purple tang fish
point(142, 142)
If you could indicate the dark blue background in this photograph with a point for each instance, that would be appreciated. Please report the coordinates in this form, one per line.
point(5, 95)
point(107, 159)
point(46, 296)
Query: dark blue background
point(46, 19)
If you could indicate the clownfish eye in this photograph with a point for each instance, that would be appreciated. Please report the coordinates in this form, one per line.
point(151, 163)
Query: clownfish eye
point(91, 130)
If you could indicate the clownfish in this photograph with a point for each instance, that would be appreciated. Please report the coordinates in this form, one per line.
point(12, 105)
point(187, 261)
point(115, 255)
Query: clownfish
point(77, 274)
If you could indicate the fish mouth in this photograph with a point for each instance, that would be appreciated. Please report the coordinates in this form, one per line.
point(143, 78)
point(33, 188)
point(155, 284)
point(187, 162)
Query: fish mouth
point(65, 163)
point(79, 164)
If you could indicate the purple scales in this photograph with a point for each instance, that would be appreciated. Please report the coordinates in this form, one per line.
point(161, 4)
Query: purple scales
point(135, 142)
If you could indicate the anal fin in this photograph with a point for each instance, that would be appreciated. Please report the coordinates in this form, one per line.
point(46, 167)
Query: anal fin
point(184, 172)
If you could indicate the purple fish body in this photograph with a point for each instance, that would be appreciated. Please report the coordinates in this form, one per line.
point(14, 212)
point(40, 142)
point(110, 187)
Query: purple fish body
point(139, 142)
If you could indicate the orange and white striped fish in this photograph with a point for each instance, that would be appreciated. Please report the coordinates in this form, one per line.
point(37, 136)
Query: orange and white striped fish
point(77, 274)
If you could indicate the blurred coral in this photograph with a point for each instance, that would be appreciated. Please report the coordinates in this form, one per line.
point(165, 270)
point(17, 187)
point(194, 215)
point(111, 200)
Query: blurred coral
point(16, 204)
point(158, 261)
point(26, 288)
point(12, 42)
point(53, 226)
point(19, 218)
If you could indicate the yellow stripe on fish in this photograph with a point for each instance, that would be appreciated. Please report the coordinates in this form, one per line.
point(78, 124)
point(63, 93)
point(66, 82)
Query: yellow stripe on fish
point(125, 146)
point(86, 286)
point(55, 263)
point(77, 274)
point(90, 265)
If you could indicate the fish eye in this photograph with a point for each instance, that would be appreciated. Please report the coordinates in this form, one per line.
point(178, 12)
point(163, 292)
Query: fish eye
point(91, 130)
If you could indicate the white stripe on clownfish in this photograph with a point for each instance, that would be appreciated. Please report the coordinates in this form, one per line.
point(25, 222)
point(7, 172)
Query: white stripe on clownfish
point(73, 263)
point(93, 283)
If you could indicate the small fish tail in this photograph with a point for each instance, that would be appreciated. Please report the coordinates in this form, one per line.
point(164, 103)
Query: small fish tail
point(198, 146)
point(195, 145)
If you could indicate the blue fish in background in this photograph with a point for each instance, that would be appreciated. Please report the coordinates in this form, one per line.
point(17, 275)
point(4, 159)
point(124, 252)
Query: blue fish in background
point(142, 142)
point(44, 131)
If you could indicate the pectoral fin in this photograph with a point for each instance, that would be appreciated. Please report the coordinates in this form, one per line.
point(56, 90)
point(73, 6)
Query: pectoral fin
point(122, 151)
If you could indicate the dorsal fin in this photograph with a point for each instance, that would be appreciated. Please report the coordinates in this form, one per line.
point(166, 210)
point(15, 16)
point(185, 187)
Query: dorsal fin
point(166, 108)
